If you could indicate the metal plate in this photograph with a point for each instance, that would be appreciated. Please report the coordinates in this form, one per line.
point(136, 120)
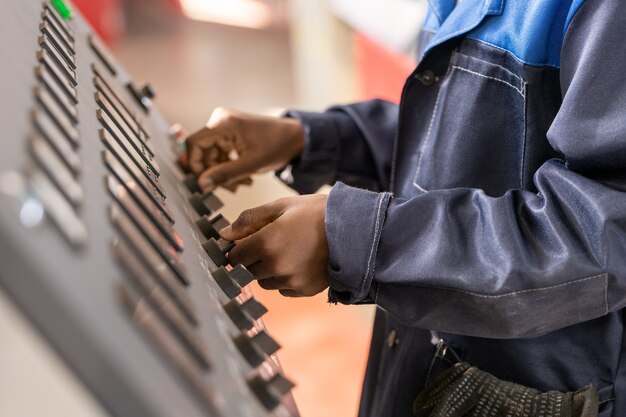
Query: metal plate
point(44, 73)
point(121, 124)
point(49, 49)
point(103, 84)
point(265, 342)
point(270, 391)
point(103, 54)
point(49, 12)
point(49, 24)
point(57, 114)
point(116, 150)
point(145, 316)
point(163, 224)
point(68, 291)
point(57, 92)
point(144, 132)
point(58, 209)
point(69, 87)
point(57, 138)
point(151, 200)
point(156, 239)
point(159, 269)
point(128, 150)
point(51, 37)
point(254, 308)
point(163, 304)
point(105, 98)
point(56, 170)
point(141, 158)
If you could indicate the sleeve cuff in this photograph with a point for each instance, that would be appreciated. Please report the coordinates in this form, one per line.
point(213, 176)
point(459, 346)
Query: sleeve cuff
point(318, 162)
point(354, 222)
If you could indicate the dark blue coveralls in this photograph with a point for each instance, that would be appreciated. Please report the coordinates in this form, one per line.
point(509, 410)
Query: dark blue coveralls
point(489, 208)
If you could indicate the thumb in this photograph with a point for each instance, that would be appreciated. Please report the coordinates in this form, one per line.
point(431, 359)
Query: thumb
point(252, 220)
point(228, 171)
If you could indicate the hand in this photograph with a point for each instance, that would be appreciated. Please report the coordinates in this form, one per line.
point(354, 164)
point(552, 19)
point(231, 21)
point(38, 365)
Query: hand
point(283, 244)
point(235, 145)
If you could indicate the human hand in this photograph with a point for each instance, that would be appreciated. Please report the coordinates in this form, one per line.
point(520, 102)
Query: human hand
point(232, 146)
point(283, 244)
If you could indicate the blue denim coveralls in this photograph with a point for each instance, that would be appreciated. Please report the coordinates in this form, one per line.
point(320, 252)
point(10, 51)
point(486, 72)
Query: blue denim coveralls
point(489, 208)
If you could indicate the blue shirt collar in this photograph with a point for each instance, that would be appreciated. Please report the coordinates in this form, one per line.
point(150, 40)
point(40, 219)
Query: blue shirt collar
point(456, 21)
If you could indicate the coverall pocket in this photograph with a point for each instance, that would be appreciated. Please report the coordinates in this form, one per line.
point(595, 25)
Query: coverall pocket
point(466, 391)
point(444, 357)
point(459, 151)
point(607, 401)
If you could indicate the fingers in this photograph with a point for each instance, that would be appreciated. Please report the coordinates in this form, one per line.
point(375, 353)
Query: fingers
point(246, 252)
point(274, 284)
point(214, 155)
point(252, 220)
point(209, 144)
point(271, 277)
point(283, 244)
point(232, 186)
point(226, 172)
point(284, 287)
point(262, 270)
point(206, 152)
point(291, 293)
point(198, 145)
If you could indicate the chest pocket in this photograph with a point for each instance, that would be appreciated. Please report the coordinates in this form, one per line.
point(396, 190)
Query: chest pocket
point(476, 133)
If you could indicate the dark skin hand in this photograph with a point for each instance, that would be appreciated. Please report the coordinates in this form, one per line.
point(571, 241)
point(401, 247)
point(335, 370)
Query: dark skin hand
point(282, 243)
point(233, 146)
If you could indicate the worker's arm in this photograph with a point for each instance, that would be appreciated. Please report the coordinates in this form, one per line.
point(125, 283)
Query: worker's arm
point(351, 143)
point(459, 261)
point(522, 264)
point(260, 143)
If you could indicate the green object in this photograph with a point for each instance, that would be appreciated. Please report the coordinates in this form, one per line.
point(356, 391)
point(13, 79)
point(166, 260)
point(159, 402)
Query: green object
point(62, 8)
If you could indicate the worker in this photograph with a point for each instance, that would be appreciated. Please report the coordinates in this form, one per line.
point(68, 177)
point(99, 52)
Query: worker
point(485, 216)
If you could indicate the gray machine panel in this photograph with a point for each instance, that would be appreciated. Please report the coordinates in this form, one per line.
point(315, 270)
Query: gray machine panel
point(87, 248)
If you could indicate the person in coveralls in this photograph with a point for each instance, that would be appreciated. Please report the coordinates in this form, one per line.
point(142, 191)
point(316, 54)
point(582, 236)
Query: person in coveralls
point(485, 215)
